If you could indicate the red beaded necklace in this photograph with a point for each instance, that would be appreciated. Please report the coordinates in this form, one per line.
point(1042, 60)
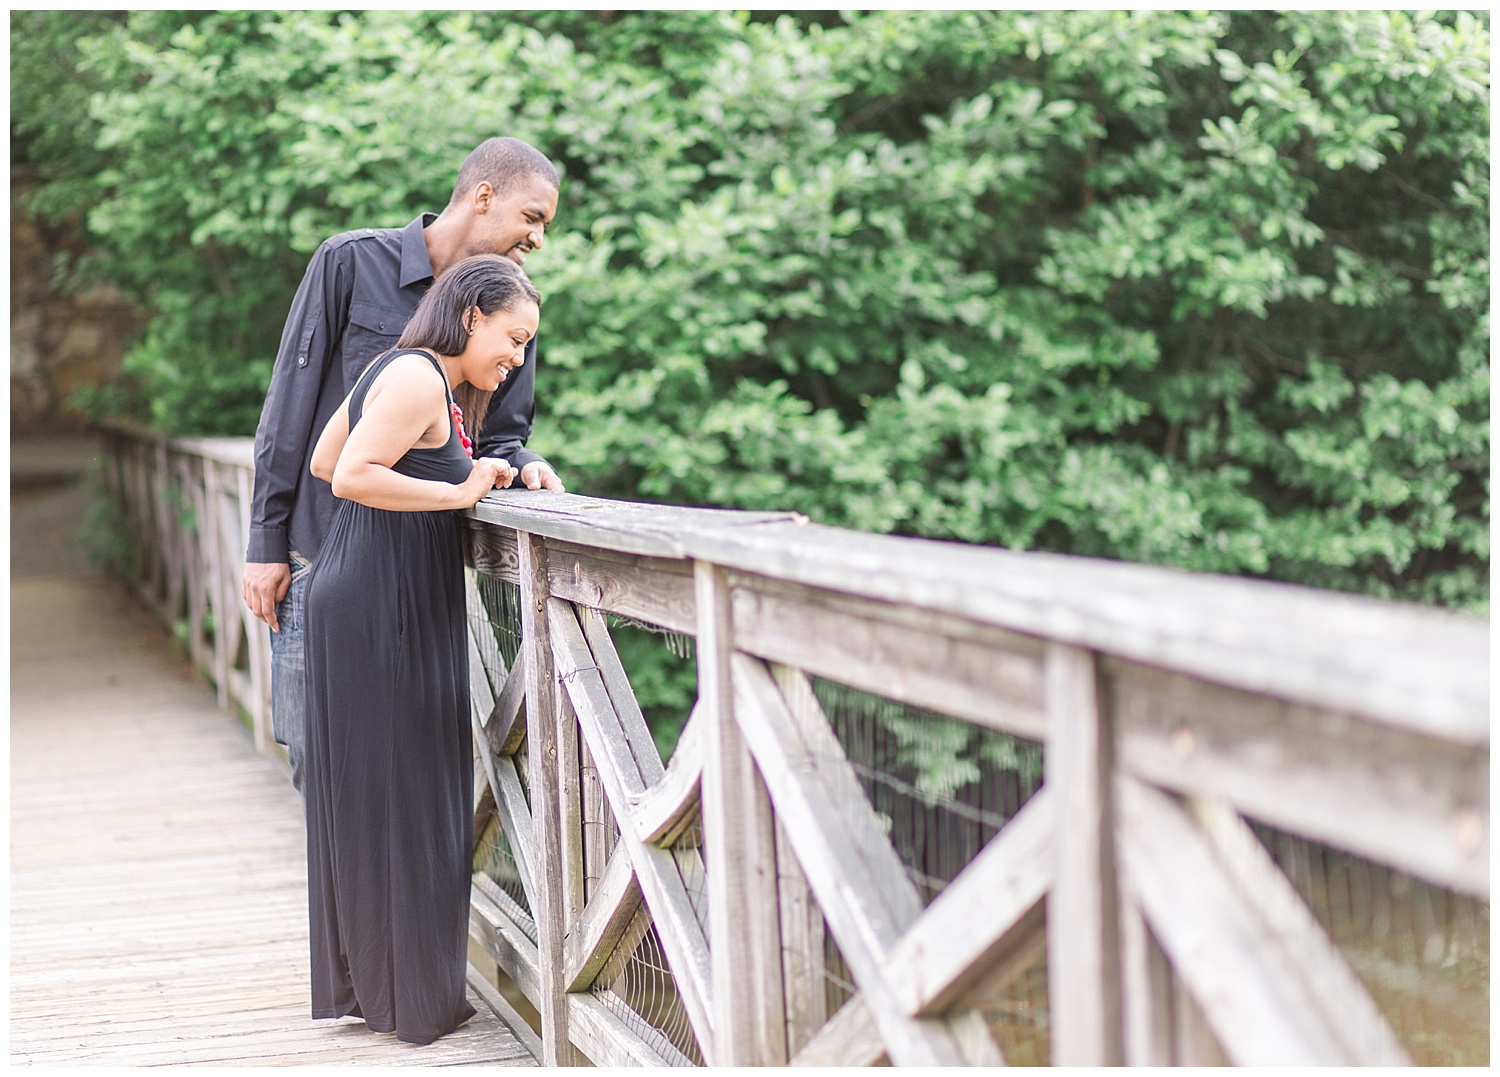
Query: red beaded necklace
point(458, 423)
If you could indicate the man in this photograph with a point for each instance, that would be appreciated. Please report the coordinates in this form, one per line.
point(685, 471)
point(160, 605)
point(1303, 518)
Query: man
point(360, 290)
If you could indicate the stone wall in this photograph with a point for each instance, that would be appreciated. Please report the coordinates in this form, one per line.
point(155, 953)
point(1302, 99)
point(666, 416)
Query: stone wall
point(59, 341)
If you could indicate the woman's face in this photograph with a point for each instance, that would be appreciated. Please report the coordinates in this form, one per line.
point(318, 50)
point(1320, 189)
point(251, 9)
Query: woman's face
point(498, 344)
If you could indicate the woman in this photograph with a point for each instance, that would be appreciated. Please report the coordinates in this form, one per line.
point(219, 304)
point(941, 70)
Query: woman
point(389, 763)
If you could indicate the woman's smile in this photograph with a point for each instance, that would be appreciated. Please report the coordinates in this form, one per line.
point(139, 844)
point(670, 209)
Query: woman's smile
point(504, 335)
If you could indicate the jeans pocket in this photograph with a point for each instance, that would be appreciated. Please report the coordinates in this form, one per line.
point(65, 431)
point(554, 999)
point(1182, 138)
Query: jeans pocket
point(289, 609)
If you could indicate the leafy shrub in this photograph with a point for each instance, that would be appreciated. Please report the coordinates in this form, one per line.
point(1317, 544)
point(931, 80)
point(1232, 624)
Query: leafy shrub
point(1201, 289)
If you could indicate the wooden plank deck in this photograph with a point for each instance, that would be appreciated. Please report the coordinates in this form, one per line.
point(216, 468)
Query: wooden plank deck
point(158, 891)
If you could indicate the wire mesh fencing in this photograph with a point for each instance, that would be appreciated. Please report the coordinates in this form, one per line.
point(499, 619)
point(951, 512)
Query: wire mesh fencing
point(1423, 952)
point(942, 789)
point(494, 857)
point(637, 986)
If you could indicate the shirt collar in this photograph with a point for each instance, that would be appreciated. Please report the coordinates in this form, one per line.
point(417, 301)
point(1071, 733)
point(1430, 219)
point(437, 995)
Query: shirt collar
point(416, 264)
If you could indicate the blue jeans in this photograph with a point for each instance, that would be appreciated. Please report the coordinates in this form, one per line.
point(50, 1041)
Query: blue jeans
point(289, 673)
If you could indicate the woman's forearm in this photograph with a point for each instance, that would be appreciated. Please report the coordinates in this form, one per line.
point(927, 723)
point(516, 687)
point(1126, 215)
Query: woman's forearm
point(381, 488)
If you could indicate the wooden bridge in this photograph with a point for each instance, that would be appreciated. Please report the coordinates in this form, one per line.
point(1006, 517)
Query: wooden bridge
point(158, 893)
point(933, 804)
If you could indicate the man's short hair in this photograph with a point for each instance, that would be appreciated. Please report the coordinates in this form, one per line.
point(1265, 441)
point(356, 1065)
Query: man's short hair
point(503, 163)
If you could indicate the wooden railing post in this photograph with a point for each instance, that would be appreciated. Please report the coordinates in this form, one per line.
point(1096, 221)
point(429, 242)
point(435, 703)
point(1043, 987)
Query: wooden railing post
point(208, 540)
point(1083, 967)
point(740, 848)
point(542, 714)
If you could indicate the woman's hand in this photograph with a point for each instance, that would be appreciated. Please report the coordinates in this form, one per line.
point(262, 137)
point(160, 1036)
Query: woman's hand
point(489, 472)
point(507, 473)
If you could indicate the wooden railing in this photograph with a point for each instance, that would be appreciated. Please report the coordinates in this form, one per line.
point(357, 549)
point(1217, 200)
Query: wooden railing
point(183, 505)
point(1181, 719)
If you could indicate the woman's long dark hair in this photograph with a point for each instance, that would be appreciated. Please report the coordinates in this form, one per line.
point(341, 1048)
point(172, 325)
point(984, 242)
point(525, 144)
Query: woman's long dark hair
point(490, 282)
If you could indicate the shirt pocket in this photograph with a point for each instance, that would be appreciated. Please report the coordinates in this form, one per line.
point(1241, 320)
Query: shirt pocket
point(373, 330)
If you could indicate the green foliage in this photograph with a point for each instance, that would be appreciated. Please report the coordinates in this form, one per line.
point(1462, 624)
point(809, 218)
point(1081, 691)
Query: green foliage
point(663, 676)
point(1201, 289)
point(935, 757)
point(106, 537)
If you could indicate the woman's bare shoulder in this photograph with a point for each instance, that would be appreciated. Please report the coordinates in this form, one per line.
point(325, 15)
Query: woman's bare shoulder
point(413, 376)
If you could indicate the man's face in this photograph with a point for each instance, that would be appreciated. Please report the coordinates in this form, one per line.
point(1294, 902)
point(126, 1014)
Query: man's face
point(513, 224)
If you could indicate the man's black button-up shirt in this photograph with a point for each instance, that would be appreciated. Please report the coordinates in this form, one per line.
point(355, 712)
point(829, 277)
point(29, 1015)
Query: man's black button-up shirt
point(360, 290)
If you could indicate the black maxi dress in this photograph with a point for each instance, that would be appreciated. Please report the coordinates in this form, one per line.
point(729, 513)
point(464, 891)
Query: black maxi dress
point(390, 758)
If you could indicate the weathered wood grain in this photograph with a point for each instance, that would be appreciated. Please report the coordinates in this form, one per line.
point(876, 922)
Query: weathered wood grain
point(481, 691)
point(1356, 723)
point(1083, 969)
point(973, 923)
point(849, 1038)
point(157, 895)
point(570, 864)
point(802, 939)
point(623, 526)
point(740, 848)
point(543, 725)
point(1330, 984)
point(502, 938)
point(484, 801)
point(505, 729)
point(496, 1002)
point(662, 812)
point(1146, 998)
point(1221, 948)
point(519, 827)
point(609, 1041)
point(655, 590)
point(492, 550)
point(616, 682)
point(861, 887)
point(946, 664)
point(480, 702)
point(1417, 803)
point(620, 764)
point(600, 832)
point(611, 907)
point(1410, 667)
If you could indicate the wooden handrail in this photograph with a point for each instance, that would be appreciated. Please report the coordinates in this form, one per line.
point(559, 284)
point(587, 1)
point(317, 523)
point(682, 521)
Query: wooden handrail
point(1173, 709)
point(1415, 668)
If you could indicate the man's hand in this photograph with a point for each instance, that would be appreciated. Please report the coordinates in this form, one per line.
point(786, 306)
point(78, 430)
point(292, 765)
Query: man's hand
point(538, 475)
point(264, 586)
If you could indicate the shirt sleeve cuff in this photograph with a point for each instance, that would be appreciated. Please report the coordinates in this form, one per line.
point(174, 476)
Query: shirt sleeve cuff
point(523, 456)
point(268, 545)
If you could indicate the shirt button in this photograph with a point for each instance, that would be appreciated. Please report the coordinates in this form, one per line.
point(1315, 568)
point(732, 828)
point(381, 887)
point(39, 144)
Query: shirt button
point(382, 327)
point(301, 360)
